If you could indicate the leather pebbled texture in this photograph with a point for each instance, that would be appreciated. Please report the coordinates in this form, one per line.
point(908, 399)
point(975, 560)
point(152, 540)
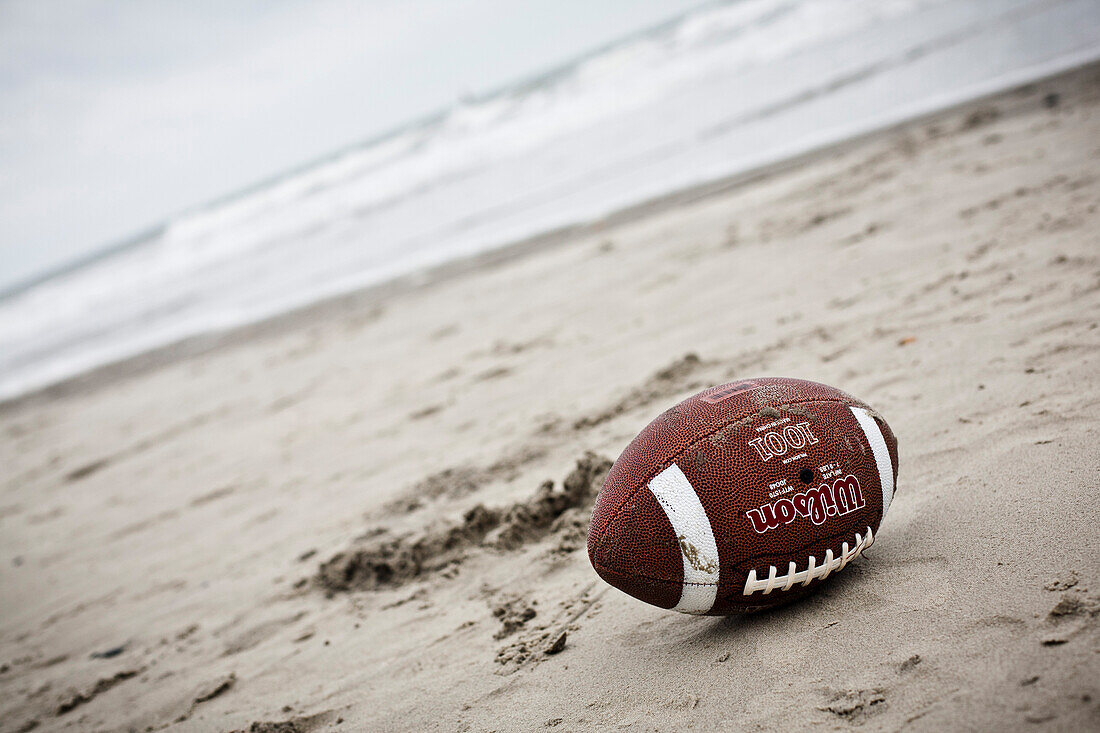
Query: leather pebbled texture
point(720, 439)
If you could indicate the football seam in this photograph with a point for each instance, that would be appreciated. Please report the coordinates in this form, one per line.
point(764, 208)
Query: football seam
point(842, 536)
point(601, 566)
point(644, 484)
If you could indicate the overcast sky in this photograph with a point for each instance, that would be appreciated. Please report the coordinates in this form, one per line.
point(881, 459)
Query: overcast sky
point(115, 115)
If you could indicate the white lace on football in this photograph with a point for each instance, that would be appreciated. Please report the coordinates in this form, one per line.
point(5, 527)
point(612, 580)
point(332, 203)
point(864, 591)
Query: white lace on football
point(812, 572)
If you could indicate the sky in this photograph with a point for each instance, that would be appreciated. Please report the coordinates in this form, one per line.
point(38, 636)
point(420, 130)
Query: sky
point(117, 115)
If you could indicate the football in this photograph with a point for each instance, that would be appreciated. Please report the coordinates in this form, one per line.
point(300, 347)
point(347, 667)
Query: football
point(744, 496)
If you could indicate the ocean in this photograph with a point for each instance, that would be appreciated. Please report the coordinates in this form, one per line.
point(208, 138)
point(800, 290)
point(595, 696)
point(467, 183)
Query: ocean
point(721, 90)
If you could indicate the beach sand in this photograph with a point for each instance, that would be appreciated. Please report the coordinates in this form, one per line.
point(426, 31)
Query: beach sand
point(341, 523)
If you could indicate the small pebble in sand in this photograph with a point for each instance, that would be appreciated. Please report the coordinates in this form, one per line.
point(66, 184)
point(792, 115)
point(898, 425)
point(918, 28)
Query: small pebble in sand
point(557, 646)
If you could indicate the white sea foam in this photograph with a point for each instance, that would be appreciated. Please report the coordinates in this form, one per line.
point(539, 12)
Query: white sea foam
point(723, 89)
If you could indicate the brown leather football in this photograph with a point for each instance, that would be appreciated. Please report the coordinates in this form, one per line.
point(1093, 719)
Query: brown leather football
point(744, 497)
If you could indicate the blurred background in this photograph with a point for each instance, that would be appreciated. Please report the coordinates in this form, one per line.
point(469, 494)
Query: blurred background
point(299, 466)
point(174, 169)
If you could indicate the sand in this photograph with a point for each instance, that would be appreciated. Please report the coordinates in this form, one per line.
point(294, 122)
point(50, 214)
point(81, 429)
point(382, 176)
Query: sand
point(373, 517)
